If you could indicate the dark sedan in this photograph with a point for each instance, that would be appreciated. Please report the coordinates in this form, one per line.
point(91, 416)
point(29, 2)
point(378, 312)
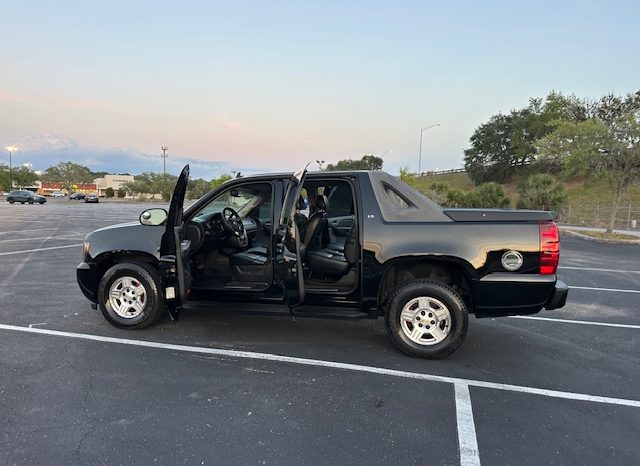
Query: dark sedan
point(91, 198)
point(77, 197)
point(25, 196)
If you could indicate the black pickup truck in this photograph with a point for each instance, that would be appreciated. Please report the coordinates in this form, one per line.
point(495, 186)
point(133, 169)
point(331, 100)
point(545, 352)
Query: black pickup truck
point(333, 244)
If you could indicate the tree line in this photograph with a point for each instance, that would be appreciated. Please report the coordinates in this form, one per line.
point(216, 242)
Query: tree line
point(561, 135)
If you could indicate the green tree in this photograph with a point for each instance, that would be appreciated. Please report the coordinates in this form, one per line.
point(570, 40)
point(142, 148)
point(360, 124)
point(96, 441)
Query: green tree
point(218, 181)
point(121, 193)
point(197, 188)
point(23, 176)
point(541, 192)
point(4, 178)
point(367, 162)
point(68, 174)
point(109, 192)
point(601, 149)
point(506, 142)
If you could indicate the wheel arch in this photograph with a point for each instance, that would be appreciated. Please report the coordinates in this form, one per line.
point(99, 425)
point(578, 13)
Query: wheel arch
point(449, 271)
point(107, 260)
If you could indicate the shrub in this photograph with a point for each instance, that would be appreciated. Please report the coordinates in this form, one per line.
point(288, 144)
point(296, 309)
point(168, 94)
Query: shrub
point(121, 193)
point(541, 192)
point(489, 195)
point(109, 192)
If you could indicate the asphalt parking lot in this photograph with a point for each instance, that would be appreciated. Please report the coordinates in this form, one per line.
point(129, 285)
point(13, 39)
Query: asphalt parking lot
point(223, 388)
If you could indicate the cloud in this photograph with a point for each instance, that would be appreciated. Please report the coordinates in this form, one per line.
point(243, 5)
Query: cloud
point(49, 149)
point(227, 124)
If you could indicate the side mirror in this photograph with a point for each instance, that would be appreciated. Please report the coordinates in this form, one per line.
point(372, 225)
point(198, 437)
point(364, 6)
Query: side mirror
point(154, 216)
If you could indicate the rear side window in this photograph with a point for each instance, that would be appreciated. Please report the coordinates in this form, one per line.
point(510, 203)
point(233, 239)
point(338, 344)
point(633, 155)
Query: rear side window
point(397, 199)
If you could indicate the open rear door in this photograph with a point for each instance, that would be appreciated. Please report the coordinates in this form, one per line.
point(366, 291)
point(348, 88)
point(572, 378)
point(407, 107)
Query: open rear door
point(174, 251)
point(288, 252)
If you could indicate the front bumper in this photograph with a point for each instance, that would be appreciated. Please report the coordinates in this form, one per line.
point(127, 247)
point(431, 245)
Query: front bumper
point(559, 297)
point(87, 277)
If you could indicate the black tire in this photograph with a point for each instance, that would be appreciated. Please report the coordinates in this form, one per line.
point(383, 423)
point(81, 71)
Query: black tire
point(459, 317)
point(30, 201)
point(11, 201)
point(148, 278)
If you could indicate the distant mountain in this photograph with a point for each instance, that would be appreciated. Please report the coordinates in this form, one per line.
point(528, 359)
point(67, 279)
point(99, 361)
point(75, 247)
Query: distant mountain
point(43, 151)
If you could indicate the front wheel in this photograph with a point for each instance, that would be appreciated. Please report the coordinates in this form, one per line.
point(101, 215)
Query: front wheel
point(129, 296)
point(426, 319)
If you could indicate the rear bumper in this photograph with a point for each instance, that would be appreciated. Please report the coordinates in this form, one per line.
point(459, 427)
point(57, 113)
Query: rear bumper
point(87, 277)
point(504, 294)
point(559, 297)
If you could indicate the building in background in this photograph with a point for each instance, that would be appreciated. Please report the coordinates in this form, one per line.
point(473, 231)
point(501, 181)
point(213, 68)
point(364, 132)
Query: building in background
point(47, 188)
point(111, 181)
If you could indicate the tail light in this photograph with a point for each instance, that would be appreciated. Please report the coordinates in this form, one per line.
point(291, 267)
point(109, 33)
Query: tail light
point(549, 248)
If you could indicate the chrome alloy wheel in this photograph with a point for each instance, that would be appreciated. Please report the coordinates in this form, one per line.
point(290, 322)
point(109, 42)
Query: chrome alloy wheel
point(127, 297)
point(425, 320)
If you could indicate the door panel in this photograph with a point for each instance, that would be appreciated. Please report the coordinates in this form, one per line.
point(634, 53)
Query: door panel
point(288, 253)
point(174, 251)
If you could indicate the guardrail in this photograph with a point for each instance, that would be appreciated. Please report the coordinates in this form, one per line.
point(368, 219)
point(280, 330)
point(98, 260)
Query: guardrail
point(443, 172)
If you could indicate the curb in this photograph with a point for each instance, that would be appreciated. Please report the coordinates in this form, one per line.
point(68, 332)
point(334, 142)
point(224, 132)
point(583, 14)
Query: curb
point(575, 234)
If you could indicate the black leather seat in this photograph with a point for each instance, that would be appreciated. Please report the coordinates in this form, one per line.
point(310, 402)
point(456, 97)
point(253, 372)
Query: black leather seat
point(301, 219)
point(316, 223)
point(331, 262)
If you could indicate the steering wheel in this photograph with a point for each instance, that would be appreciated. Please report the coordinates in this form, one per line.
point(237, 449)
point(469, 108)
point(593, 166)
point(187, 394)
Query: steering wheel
point(234, 226)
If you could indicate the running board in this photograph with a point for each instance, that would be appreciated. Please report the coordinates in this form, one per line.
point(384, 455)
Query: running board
point(276, 310)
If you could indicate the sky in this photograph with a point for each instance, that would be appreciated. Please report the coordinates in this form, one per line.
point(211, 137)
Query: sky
point(271, 85)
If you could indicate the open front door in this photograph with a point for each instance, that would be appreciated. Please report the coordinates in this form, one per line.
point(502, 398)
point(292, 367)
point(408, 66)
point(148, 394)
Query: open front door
point(288, 253)
point(174, 251)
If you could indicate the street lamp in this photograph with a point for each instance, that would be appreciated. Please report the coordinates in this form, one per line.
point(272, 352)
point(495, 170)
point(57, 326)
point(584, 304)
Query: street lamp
point(11, 150)
point(420, 152)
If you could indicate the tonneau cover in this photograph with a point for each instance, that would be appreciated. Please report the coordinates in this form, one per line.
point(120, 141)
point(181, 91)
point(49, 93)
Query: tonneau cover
point(500, 215)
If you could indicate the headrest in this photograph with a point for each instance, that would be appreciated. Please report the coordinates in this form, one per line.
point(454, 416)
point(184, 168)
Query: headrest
point(322, 203)
point(301, 203)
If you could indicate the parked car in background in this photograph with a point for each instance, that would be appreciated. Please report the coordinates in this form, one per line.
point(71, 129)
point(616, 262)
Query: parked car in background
point(77, 197)
point(91, 198)
point(25, 196)
point(57, 194)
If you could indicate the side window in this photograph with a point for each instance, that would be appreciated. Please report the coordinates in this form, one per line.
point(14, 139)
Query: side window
point(243, 199)
point(264, 211)
point(397, 199)
point(340, 200)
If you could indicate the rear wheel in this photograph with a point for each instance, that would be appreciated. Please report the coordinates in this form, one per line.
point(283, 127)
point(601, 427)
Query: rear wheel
point(129, 295)
point(11, 201)
point(426, 319)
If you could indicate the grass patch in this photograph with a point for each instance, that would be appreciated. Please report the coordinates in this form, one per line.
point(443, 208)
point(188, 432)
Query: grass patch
point(588, 201)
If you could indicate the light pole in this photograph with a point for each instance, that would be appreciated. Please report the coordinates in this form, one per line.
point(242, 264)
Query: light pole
point(11, 150)
point(420, 151)
point(164, 159)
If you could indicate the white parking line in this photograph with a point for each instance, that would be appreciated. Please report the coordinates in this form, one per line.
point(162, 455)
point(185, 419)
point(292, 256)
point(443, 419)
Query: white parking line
point(66, 238)
point(25, 231)
point(39, 249)
point(582, 322)
point(332, 365)
point(592, 269)
point(615, 290)
point(467, 439)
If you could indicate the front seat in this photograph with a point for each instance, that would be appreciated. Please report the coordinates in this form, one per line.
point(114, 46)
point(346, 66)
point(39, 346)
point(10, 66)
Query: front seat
point(316, 223)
